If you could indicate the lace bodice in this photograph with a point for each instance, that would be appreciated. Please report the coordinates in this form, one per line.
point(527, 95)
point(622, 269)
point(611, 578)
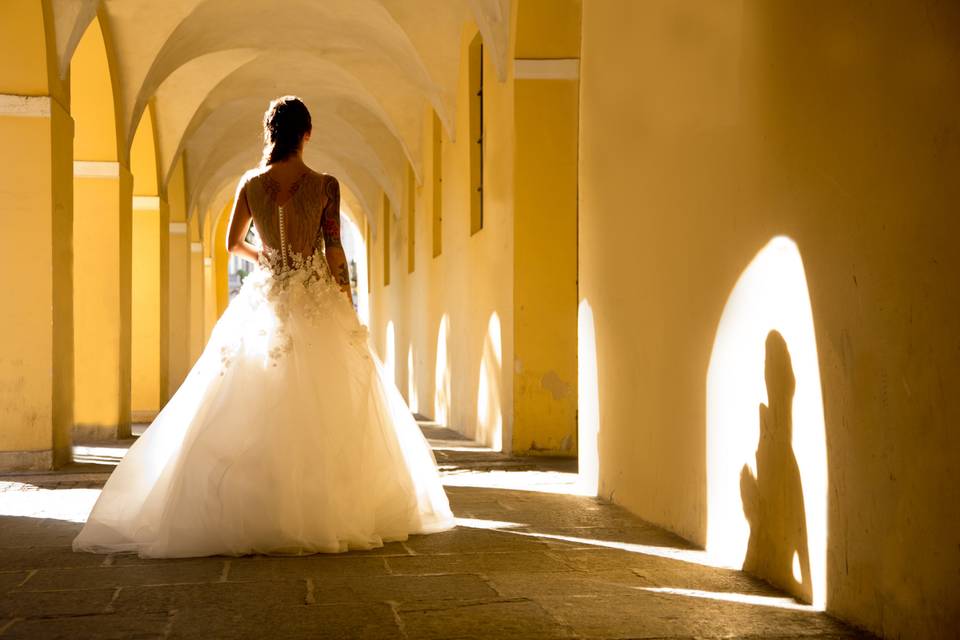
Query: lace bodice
point(291, 224)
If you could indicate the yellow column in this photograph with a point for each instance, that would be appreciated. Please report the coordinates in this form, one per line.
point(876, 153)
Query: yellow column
point(101, 250)
point(545, 227)
point(149, 277)
point(220, 259)
point(209, 278)
point(197, 333)
point(36, 172)
point(178, 299)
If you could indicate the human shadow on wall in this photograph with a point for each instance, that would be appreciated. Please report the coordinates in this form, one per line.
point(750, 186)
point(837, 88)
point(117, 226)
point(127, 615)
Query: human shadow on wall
point(773, 499)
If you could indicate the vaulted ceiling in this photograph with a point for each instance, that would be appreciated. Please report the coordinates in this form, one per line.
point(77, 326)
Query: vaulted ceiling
point(365, 68)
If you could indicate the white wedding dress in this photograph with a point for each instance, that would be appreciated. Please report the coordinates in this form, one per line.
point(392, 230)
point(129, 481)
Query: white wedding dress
point(285, 437)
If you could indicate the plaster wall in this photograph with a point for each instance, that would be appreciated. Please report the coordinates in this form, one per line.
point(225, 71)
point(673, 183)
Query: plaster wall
point(179, 283)
point(455, 310)
point(835, 128)
point(36, 333)
point(149, 276)
point(197, 334)
point(546, 118)
point(102, 190)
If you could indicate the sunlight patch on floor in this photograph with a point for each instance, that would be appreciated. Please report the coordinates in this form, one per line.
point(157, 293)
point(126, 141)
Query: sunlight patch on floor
point(24, 500)
point(91, 454)
point(539, 481)
point(780, 602)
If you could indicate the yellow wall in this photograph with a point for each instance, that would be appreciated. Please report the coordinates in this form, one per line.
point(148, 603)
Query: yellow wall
point(197, 333)
point(178, 299)
point(545, 233)
point(220, 258)
point(467, 288)
point(102, 250)
point(210, 314)
point(36, 358)
point(149, 277)
point(706, 132)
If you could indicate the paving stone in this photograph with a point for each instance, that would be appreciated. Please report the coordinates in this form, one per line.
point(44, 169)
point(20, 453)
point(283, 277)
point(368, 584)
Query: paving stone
point(463, 538)
point(98, 577)
point(331, 589)
point(594, 559)
point(38, 537)
point(46, 557)
point(10, 579)
point(301, 567)
point(367, 621)
point(530, 561)
point(232, 595)
point(552, 575)
point(564, 583)
point(596, 537)
point(126, 559)
point(115, 626)
point(46, 604)
point(657, 615)
point(488, 619)
point(13, 524)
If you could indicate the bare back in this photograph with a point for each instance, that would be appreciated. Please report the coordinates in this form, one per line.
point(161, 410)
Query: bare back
point(293, 220)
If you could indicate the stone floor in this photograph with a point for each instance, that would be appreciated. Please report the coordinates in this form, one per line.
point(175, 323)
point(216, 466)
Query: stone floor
point(529, 559)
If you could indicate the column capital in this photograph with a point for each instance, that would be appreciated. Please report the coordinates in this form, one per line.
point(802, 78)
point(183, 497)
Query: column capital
point(25, 106)
point(146, 203)
point(546, 68)
point(96, 169)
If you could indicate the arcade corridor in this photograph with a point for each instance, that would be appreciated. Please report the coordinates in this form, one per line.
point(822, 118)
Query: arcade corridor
point(673, 283)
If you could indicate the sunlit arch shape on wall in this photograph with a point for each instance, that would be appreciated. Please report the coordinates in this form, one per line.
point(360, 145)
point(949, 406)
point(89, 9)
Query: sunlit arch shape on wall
point(770, 299)
point(412, 401)
point(588, 410)
point(441, 379)
point(489, 407)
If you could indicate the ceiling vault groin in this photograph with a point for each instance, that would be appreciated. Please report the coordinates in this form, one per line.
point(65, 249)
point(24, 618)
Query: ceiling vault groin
point(367, 69)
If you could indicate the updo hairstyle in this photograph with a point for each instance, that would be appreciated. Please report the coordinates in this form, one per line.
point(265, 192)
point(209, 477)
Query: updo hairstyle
point(285, 123)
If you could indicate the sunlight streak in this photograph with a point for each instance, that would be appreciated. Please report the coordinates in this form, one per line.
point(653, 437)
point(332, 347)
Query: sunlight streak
point(390, 353)
point(441, 394)
point(489, 414)
point(539, 481)
point(588, 435)
point(781, 602)
point(71, 505)
point(412, 401)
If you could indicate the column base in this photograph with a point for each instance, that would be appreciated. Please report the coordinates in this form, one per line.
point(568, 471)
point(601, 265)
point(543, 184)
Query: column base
point(99, 432)
point(40, 460)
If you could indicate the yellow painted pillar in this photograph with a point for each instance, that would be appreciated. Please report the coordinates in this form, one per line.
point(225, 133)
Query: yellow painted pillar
point(220, 259)
point(546, 112)
point(36, 223)
point(209, 278)
point(149, 277)
point(102, 195)
point(178, 299)
point(197, 333)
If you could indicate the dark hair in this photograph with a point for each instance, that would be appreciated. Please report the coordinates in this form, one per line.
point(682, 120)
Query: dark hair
point(285, 123)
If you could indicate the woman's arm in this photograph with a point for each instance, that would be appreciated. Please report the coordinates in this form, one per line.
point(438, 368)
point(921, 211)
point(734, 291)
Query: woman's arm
point(333, 248)
point(240, 219)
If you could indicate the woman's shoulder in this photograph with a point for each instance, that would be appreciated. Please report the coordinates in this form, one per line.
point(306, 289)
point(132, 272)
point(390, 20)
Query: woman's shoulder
point(252, 175)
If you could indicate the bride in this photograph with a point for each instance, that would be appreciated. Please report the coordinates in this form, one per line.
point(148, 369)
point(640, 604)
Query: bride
point(285, 437)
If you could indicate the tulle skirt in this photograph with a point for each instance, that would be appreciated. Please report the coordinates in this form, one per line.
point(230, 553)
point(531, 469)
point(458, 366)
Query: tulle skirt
point(285, 438)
